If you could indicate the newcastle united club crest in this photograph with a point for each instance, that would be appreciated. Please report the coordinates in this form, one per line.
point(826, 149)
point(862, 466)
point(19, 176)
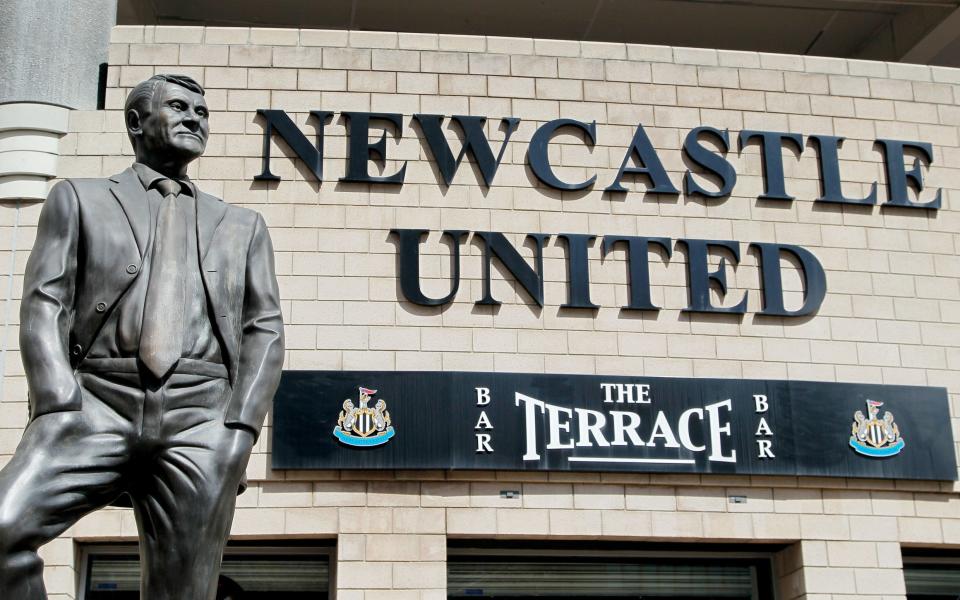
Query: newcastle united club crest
point(873, 435)
point(363, 426)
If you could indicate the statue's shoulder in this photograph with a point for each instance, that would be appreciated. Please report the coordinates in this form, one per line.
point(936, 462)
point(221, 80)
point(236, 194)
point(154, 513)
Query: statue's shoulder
point(82, 190)
point(85, 184)
point(242, 212)
point(233, 211)
point(90, 184)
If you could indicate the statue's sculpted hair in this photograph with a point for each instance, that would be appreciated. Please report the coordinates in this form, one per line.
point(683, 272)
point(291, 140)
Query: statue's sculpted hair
point(140, 96)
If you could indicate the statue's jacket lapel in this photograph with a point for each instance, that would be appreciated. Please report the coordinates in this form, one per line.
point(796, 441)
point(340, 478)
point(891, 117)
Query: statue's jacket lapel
point(222, 249)
point(115, 235)
point(114, 232)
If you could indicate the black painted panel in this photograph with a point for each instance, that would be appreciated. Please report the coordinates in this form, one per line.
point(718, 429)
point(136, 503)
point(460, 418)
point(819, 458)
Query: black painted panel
point(435, 418)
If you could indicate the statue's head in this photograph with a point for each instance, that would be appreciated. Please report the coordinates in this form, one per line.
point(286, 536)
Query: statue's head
point(167, 120)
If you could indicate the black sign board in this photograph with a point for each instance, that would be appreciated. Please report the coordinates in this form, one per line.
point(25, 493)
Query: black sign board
point(512, 421)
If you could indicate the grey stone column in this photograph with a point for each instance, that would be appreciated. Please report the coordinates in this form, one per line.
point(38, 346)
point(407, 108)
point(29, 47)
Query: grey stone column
point(51, 51)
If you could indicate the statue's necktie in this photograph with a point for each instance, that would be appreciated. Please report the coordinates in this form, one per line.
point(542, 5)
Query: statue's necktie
point(161, 335)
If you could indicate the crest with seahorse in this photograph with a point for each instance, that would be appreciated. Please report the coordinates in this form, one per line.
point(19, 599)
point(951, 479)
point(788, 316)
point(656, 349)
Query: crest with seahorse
point(875, 436)
point(364, 426)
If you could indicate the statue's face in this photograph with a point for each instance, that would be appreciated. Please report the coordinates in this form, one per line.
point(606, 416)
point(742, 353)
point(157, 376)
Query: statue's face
point(178, 126)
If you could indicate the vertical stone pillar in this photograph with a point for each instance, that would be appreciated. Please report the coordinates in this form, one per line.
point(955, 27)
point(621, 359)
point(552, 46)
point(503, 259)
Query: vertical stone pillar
point(52, 52)
point(392, 549)
point(788, 572)
point(841, 570)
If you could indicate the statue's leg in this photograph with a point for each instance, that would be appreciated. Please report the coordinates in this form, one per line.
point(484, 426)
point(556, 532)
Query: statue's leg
point(67, 464)
point(185, 498)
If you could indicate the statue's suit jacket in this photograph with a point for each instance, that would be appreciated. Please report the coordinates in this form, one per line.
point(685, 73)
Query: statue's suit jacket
point(91, 240)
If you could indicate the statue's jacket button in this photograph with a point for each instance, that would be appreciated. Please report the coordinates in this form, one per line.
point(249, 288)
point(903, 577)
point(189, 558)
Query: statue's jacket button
point(101, 306)
point(132, 269)
point(77, 349)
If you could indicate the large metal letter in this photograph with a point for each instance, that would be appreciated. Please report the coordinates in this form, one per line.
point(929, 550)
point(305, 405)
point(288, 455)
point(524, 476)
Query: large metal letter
point(538, 157)
point(899, 180)
point(713, 163)
point(578, 270)
point(474, 141)
point(495, 244)
point(827, 147)
point(699, 277)
point(650, 165)
point(638, 266)
point(409, 265)
point(291, 134)
point(814, 280)
point(771, 146)
point(361, 151)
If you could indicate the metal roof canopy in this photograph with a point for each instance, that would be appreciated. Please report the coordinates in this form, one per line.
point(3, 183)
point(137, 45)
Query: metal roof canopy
point(918, 31)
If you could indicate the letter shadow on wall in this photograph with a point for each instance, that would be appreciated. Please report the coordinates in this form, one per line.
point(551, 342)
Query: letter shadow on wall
point(634, 193)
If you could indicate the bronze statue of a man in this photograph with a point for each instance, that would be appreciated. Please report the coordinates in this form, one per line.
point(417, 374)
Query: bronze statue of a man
point(152, 340)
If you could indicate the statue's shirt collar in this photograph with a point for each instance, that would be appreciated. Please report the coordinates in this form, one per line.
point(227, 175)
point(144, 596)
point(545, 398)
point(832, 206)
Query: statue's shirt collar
point(149, 177)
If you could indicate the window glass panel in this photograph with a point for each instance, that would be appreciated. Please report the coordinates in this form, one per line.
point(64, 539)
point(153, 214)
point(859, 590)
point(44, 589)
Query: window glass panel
point(278, 575)
point(114, 574)
point(273, 575)
point(509, 578)
point(930, 582)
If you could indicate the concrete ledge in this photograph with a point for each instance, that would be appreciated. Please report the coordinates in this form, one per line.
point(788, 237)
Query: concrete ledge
point(28, 162)
point(26, 139)
point(23, 187)
point(29, 136)
point(35, 116)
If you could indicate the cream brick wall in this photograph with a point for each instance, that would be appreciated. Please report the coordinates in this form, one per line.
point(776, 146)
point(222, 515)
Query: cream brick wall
point(890, 314)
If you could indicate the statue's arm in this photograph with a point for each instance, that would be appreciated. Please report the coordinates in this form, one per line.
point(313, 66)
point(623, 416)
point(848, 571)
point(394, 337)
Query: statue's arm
point(46, 311)
point(261, 345)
